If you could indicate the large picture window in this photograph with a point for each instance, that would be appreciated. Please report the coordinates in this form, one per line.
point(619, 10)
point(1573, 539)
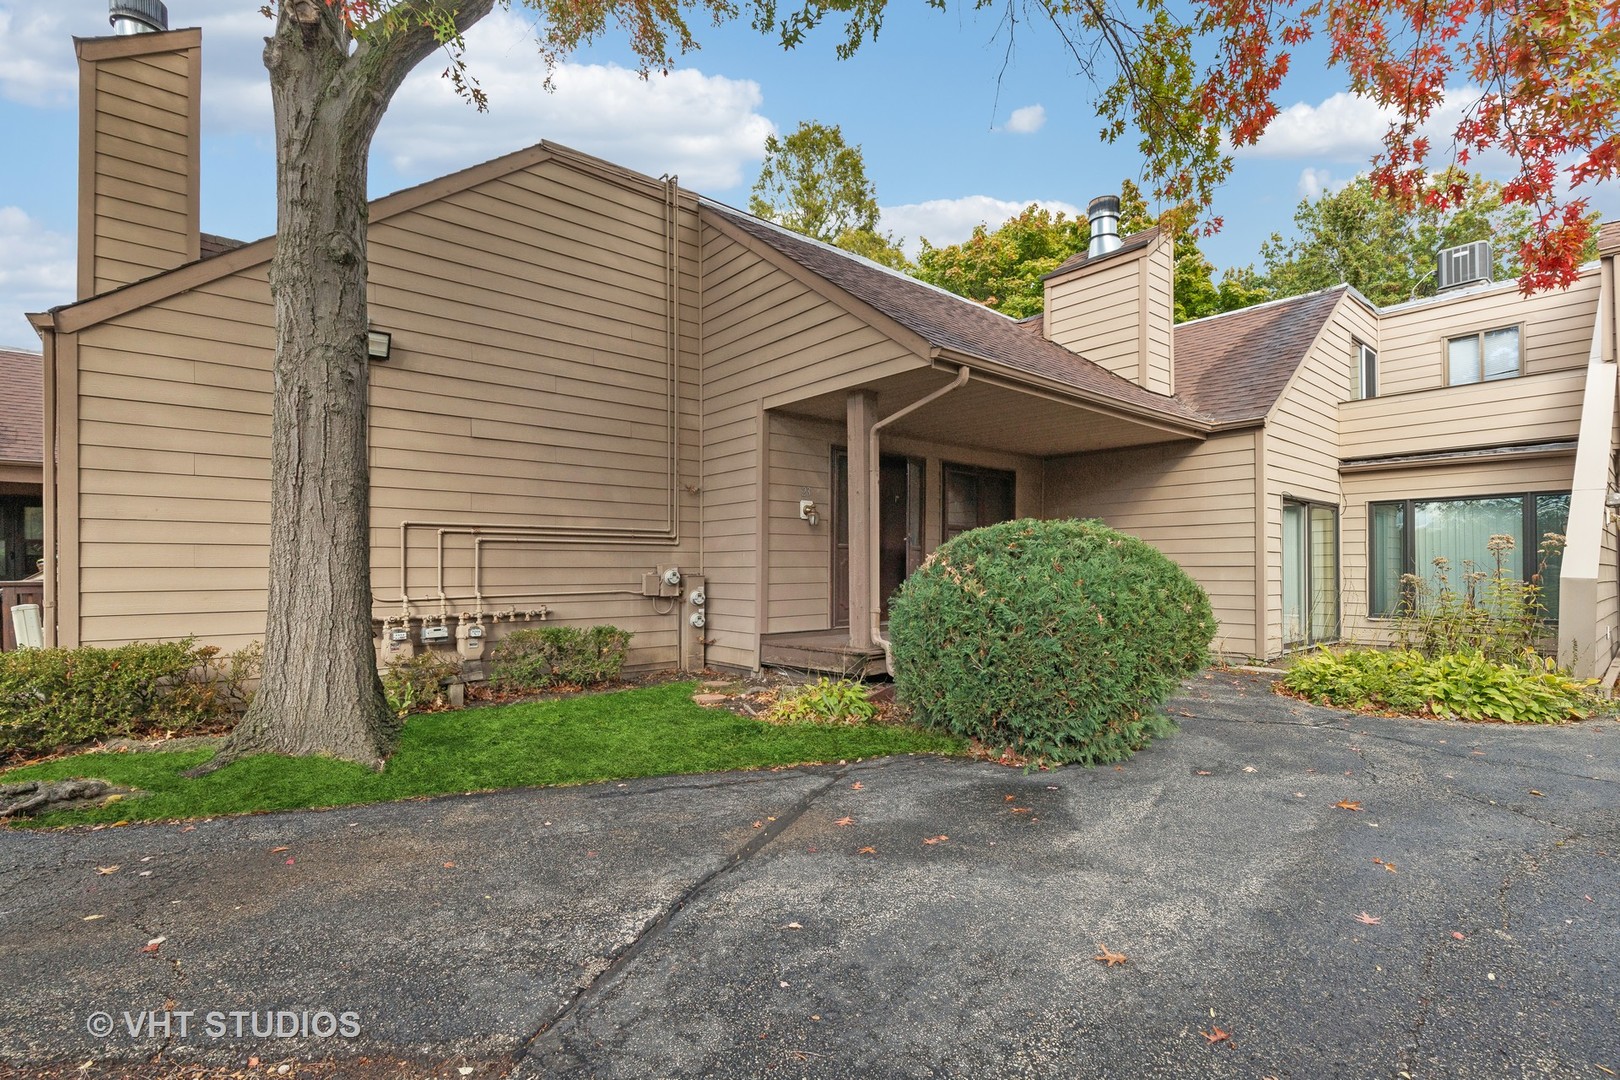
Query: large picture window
point(1407, 537)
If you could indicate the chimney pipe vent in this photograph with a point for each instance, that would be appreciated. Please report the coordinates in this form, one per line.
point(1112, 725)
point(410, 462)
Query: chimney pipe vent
point(137, 16)
point(1103, 213)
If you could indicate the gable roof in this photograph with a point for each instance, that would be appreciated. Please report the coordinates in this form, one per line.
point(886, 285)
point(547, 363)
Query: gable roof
point(22, 439)
point(1233, 367)
point(952, 323)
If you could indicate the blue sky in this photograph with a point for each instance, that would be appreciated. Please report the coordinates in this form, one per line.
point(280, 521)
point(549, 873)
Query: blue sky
point(951, 134)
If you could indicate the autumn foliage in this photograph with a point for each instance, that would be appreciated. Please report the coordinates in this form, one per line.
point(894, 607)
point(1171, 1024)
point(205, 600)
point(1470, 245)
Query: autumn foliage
point(1056, 639)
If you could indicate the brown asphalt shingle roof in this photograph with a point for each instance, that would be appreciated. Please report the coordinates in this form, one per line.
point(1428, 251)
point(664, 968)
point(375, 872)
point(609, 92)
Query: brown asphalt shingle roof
point(1233, 367)
point(951, 322)
point(1608, 238)
point(21, 417)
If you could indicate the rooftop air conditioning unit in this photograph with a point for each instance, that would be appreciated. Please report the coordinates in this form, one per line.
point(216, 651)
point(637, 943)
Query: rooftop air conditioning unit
point(1464, 265)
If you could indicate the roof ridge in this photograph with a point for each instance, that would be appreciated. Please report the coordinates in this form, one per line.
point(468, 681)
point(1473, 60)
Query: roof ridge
point(834, 249)
point(1313, 294)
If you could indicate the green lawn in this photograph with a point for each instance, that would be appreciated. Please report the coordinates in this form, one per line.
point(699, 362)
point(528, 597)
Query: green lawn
point(654, 731)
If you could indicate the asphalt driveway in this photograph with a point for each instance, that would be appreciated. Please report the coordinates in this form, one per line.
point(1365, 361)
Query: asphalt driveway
point(1321, 895)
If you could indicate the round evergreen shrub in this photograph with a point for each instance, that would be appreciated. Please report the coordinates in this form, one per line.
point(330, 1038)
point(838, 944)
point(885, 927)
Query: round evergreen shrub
point(1055, 639)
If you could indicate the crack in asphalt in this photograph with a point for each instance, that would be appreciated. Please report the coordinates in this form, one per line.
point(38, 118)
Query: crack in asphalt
point(1425, 1006)
point(583, 998)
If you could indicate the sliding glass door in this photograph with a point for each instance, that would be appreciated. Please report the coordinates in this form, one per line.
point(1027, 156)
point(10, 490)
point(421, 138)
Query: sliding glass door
point(1310, 571)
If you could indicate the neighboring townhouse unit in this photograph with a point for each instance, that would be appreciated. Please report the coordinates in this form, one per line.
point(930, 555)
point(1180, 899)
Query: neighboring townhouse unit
point(586, 378)
point(22, 514)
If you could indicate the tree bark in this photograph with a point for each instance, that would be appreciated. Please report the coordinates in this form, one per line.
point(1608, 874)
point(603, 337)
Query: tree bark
point(320, 692)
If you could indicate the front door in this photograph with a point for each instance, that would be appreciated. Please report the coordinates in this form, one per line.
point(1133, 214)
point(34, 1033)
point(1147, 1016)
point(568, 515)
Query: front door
point(900, 521)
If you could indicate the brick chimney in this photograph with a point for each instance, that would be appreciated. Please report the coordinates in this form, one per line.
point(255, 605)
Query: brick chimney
point(139, 148)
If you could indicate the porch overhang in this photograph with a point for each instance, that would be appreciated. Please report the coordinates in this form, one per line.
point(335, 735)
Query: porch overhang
point(999, 411)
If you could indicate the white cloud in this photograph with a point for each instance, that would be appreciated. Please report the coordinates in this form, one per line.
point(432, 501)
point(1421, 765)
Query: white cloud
point(705, 128)
point(1348, 127)
point(37, 66)
point(1313, 183)
point(1026, 121)
point(950, 221)
point(36, 273)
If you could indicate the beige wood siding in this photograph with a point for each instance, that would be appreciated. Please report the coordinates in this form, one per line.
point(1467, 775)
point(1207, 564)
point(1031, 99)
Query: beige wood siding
point(528, 386)
point(1119, 313)
point(1302, 444)
point(1158, 325)
point(1537, 408)
point(1555, 335)
point(139, 158)
point(765, 332)
point(1194, 502)
point(800, 576)
point(1465, 479)
point(1096, 314)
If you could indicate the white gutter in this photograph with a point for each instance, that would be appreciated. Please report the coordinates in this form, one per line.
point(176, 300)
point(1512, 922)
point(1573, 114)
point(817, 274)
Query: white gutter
point(874, 475)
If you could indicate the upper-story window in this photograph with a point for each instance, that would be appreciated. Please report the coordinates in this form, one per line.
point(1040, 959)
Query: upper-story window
point(1364, 372)
point(1494, 354)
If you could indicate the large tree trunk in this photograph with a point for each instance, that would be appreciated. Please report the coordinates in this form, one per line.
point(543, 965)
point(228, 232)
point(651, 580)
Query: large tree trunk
point(320, 693)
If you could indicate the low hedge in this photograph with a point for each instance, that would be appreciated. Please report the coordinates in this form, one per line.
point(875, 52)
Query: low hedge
point(1465, 685)
point(547, 656)
point(1057, 640)
point(56, 698)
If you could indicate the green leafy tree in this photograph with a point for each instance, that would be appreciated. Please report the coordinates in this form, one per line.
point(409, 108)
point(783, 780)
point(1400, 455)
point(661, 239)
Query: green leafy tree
point(1357, 236)
point(1002, 268)
point(1192, 80)
point(815, 183)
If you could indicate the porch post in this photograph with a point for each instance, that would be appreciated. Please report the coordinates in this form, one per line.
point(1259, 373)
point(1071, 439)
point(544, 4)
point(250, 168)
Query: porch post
point(860, 413)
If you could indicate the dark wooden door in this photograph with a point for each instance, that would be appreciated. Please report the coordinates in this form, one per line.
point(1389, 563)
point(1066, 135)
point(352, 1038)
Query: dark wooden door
point(900, 519)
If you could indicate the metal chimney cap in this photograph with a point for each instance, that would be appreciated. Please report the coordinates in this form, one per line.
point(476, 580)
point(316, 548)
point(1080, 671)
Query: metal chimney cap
point(137, 16)
point(1103, 215)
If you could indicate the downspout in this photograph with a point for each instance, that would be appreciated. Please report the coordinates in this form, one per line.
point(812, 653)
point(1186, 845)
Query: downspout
point(874, 507)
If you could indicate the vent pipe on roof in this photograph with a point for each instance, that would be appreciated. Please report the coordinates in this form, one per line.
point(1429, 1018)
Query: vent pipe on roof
point(1103, 214)
point(137, 16)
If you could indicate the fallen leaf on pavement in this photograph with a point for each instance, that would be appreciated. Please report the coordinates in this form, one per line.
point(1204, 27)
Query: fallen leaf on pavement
point(845, 820)
point(1346, 804)
point(1611, 1072)
point(153, 945)
point(253, 1063)
point(1537, 794)
point(759, 824)
point(1250, 768)
point(1204, 772)
point(1216, 1035)
point(449, 866)
point(856, 786)
point(936, 839)
point(867, 851)
point(1022, 810)
point(1458, 934)
point(1367, 920)
point(1107, 956)
point(1008, 798)
point(92, 918)
point(794, 926)
point(107, 869)
point(276, 850)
